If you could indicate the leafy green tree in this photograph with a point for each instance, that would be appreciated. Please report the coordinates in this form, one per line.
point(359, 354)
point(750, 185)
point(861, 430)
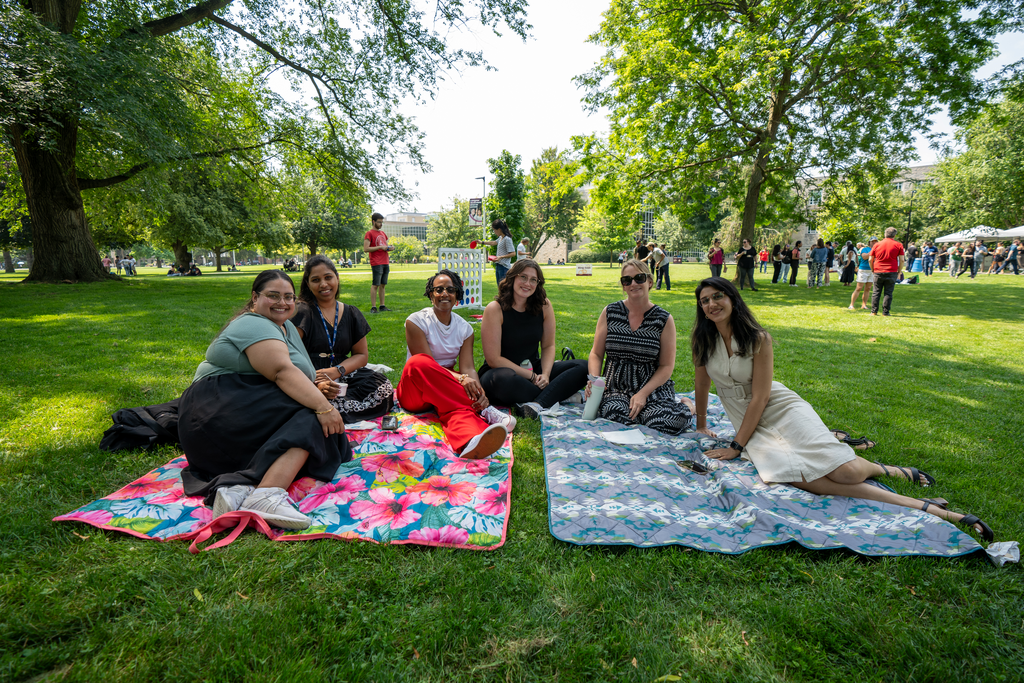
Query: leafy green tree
point(693, 87)
point(610, 230)
point(326, 222)
point(449, 227)
point(984, 184)
point(553, 202)
point(94, 94)
point(14, 234)
point(405, 248)
point(507, 199)
point(857, 208)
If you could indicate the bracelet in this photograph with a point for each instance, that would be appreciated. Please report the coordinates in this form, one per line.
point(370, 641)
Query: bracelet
point(699, 415)
point(323, 412)
point(533, 375)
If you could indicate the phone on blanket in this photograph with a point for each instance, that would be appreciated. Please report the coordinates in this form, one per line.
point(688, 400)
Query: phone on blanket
point(695, 467)
point(389, 423)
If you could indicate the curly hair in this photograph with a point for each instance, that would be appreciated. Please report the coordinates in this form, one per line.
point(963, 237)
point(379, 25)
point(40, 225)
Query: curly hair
point(745, 328)
point(506, 297)
point(456, 282)
point(305, 293)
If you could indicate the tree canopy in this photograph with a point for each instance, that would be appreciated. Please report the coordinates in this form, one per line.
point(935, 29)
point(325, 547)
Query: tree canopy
point(449, 226)
point(743, 97)
point(100, 93)
point(553, 201)
point(507, 198)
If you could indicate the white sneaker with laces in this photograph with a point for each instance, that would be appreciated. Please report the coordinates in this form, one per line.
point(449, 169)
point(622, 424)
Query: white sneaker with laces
point(493, 416)
point(485, 443)
point(229, 498)
point(578, 397)
point(273, 505)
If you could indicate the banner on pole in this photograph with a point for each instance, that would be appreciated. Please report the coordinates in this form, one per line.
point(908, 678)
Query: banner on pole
point(476, 212)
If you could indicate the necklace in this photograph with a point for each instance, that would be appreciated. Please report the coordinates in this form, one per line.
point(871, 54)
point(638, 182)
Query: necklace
point(333, 334)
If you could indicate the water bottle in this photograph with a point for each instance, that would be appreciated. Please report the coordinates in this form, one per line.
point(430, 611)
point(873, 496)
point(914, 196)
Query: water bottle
point(594, 402)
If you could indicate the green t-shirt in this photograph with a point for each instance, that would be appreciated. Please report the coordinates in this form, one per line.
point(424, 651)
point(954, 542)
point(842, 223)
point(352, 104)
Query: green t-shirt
point(226, 353)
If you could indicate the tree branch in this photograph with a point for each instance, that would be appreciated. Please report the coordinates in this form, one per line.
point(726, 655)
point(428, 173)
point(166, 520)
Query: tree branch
point(176, 22)
point(93, 183)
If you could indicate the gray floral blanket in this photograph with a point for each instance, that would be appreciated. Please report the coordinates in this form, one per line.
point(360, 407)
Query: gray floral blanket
point(605, 493)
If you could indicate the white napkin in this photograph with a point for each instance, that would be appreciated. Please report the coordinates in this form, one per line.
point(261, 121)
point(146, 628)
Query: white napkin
point(362, 424)
point(379, 367)
point(1003, 552)
point(630, 437)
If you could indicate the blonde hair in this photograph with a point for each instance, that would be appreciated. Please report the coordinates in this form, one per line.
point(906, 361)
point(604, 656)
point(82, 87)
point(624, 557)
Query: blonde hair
point(641, 266)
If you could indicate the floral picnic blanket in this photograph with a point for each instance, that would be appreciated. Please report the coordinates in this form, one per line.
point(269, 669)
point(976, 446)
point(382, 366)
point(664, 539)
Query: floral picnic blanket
point(406, 486)
point(602, 493)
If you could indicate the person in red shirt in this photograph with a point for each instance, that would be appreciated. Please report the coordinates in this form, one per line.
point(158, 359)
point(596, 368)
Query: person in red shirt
point(375, 244)
point(886, 260)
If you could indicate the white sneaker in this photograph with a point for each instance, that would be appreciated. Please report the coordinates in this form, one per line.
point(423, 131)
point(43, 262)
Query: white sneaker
point(229, 498)
point(493, 416)
point(273, 505)
point(578, 397)
point(485, 443)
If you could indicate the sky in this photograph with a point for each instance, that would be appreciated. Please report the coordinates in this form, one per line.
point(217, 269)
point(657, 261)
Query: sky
point(530, 102)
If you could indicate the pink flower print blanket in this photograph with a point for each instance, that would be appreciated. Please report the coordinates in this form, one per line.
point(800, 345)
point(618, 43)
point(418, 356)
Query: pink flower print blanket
point(406, 486)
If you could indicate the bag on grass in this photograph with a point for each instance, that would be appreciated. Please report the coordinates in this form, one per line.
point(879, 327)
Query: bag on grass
point(142, 427)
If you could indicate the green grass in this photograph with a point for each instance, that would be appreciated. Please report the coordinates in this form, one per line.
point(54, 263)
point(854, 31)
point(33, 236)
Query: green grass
point(938, 385)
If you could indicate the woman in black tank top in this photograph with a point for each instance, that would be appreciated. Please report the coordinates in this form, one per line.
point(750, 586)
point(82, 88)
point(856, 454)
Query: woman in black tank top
point(518, 334)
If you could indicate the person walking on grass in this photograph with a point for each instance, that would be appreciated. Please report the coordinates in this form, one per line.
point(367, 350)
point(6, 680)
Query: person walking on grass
point(865, 278)
point(816, 264)
point(1012, 256)
point(745, 264)
point(375, 244)
point(716, 258)
point(794, 262)
point(886, 262)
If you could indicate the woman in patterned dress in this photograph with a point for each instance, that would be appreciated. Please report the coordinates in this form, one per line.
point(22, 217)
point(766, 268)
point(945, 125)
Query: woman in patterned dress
point(779, 432)
point(636, 341)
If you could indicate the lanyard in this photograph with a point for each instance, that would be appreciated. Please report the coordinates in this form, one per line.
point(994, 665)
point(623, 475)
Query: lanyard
point(330, 337)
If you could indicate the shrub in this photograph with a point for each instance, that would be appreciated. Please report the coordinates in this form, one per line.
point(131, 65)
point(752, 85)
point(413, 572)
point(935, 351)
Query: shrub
point(587, 256)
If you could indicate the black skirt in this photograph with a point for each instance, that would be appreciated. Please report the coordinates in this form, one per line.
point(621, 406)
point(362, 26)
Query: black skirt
point(849, 272)
point(370, 395)
point(234, 427)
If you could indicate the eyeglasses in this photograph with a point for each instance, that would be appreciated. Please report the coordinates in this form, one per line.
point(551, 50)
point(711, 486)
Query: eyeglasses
point(442, 290)
point(716, 297)
point(276, 297)
point(532, 281)
point(639, 278)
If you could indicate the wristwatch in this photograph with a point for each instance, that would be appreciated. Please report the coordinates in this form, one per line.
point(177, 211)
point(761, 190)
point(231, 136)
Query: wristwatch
point(736, 447)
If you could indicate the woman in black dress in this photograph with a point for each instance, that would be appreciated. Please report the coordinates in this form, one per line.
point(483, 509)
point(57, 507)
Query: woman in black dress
point(518, 321)
point(334, 335)
point(639, 341)
point(776, 263)
point(252, 421)
point(850, 258)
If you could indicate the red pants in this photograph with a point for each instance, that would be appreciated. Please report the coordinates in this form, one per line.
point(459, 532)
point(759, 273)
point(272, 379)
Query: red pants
point(425, 385)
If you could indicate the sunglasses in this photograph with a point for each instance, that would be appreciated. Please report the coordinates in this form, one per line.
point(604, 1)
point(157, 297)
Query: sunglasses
point(717, 296)
point(639, 278)
point(443, 290)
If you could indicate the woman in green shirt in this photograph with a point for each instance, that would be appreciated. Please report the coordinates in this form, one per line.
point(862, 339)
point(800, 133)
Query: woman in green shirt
point(252, 421)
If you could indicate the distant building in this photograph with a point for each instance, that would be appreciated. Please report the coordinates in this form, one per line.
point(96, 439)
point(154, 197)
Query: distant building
point(407, 223)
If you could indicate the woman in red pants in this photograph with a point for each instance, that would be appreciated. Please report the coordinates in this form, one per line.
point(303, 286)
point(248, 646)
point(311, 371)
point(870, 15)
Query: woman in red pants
point(436, 339)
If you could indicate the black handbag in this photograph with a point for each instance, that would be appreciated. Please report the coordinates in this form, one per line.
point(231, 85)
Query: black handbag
point(567, 353)
point(142, 427)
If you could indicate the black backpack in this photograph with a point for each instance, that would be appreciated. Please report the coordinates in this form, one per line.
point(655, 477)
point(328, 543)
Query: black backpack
point(142, 427)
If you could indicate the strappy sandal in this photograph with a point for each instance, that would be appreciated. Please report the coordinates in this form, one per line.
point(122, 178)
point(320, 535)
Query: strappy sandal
point(967, 520)
point(937, 502)
point(840, 435)
point(912, 474)
point(861, 441)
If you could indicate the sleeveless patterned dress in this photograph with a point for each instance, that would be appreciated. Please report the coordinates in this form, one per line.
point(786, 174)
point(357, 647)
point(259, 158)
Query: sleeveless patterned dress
point(632, 359)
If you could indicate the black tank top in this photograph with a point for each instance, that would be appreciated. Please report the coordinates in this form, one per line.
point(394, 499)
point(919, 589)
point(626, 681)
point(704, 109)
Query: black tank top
point(520, 338)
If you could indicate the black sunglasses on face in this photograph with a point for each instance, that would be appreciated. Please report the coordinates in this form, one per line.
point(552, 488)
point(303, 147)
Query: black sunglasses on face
point(639, 278)
point(442, 290)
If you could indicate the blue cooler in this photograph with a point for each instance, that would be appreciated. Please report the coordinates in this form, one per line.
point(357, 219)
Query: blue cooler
point(918, 266)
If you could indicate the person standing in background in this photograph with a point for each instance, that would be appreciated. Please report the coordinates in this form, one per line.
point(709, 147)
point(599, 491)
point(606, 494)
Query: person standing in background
point(762, 258)
point(912, 254)
point(503, 247)
point(745, 262)
point(980, 252)
point(786, 258)
point(1012, 256)
point(794, 262)
point(523, 249)
point(886, 260)
point(661, 267)
point(641, 252)
point(929, 252)
point(830, 261)
point(776, 263)
point(816, 264)
point(716, 257)
point(865, 278)
point(375, 244)
point(106, 263)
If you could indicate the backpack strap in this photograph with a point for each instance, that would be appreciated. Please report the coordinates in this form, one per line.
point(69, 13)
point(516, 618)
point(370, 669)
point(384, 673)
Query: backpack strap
point(157, 428)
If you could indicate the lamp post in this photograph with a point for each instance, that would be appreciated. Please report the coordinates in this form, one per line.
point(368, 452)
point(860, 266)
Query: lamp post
point(483, 202)
point(910, 212)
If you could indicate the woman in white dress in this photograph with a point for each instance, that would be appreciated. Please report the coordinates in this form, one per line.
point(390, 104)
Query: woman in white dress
point(776, 429)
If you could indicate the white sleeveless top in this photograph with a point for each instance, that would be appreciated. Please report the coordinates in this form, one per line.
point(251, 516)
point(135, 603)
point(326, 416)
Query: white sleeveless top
point(444, 340)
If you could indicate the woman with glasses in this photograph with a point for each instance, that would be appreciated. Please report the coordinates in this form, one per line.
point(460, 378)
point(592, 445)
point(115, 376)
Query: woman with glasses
point(636, 342)
point(518, 322)
point(437, 339)
point(334, 335)
point(777, 430)
point(252, 421)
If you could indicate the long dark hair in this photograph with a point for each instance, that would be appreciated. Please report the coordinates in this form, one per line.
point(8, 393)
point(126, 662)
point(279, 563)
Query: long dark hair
point(745, 328)
point(506, 296)
point(456, 282)
point(305, 293)
point(500, 224)
point(776, 249)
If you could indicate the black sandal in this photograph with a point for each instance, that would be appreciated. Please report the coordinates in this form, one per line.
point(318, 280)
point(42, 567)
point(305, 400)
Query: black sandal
point(861, 441)
point(840, 435)
point(913, 475)
point(970, 520)
point(937, 502)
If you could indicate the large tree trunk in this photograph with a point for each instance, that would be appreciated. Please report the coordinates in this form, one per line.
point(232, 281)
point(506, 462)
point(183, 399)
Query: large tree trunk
point(216, 255)
point(61, 241)
point(182, 257)
point(8, 262)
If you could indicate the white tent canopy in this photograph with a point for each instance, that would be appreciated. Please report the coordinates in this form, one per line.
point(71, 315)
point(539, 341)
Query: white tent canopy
point(978, 232)
point(1013, 232)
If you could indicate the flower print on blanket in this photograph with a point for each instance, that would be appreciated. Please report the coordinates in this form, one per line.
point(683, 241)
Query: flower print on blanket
point(406, 486)
point(600, 493)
